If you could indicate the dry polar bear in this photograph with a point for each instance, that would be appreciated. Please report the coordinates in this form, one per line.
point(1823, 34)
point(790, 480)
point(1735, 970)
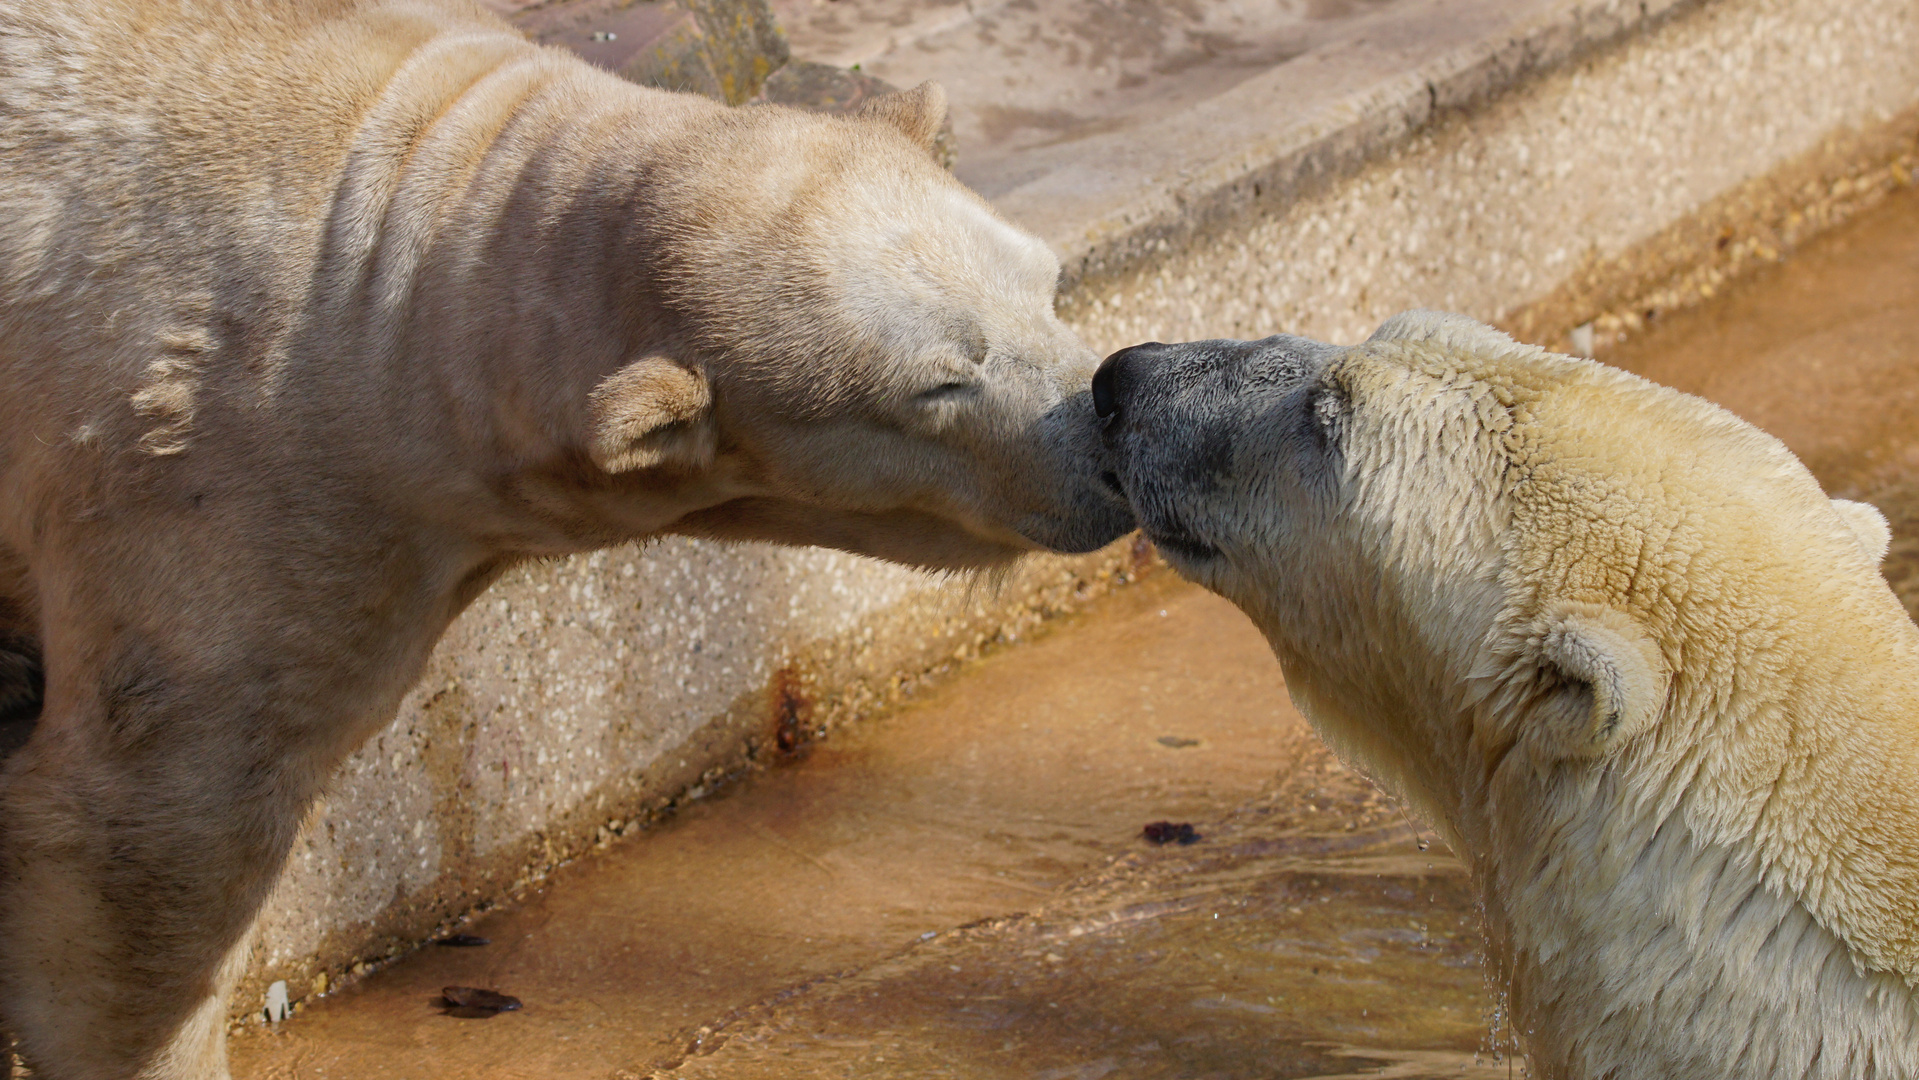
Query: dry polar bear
point(315, 315)
point(1614, 642)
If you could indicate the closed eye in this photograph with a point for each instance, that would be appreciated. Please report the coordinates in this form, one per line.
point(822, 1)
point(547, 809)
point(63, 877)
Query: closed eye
point(948, 391)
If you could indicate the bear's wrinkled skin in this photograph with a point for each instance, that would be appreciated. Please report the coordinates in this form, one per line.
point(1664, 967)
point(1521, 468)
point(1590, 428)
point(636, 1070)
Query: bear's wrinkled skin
point(315, 315)
point(1614, 642)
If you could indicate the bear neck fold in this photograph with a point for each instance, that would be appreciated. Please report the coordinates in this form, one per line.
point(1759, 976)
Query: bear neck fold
point(489, 277)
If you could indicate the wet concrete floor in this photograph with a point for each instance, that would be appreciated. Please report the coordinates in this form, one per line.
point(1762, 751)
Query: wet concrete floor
point(960, 889)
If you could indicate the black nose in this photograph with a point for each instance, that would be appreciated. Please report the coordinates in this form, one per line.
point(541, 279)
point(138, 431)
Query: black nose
point(1116, 376)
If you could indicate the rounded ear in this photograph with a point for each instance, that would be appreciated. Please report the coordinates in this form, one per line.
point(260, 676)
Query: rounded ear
point(918, 113)
point(651, 413)
point(1608, 680)
point(1869, 525)
point(1445, 329)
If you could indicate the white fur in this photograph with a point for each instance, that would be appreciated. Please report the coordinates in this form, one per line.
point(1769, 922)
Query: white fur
point(1640, 671)
point(317, 315)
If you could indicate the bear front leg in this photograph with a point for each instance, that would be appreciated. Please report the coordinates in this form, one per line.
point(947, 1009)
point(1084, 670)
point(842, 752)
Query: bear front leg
point(183, 736)
point(141, 829)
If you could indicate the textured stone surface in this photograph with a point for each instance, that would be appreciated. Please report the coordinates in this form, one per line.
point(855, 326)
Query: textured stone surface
point(1489, 209)
point(744, 44)
point(1110, 126)
point(723, 49)
point(1412, 164)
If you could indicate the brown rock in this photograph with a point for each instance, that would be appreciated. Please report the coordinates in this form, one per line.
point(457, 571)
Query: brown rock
point(724, 49)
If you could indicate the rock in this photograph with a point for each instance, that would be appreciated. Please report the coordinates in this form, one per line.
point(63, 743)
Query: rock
point(724, 49)
point(730, 50)
point(476, 1003)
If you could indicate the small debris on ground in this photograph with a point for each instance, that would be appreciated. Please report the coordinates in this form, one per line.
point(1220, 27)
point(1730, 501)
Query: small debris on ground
point(278, 1006)
point(1177, 742)
point(1167, 832)
point(475, 1003)
point(463, 941)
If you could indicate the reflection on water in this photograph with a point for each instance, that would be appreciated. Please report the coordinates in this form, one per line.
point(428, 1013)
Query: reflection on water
point(1238, 962)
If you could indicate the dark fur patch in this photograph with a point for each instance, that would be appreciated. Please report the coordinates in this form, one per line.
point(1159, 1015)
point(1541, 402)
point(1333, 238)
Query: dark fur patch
point(22, 689)
point(22, 682)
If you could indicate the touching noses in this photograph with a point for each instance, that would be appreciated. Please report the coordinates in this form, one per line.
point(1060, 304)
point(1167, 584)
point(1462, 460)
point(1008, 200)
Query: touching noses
point(1117, 376)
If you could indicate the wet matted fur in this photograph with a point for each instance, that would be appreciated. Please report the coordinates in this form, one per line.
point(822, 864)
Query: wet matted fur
point(1614, 642)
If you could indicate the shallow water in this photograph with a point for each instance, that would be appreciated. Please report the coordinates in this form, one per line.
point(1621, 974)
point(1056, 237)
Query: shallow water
point(960, 889)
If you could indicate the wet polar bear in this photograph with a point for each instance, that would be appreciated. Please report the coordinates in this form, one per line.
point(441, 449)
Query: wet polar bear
point(315, 315)
point(1616, 645)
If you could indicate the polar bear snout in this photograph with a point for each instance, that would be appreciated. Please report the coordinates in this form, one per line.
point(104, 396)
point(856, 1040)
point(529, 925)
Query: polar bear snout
point(1084, 510)
point(1186, 427)
point(1118, 374)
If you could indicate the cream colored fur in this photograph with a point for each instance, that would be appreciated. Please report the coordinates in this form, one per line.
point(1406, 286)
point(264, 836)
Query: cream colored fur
point(314, 316)
point(1618, 646)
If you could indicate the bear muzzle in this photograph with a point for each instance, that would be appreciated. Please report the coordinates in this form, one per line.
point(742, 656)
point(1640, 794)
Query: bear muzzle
point(1173, 416)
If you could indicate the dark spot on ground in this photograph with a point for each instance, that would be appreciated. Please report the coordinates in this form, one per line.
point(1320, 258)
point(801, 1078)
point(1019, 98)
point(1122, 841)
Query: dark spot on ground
point(1167, 832)
point(463, 941)
point(475, 1003)
point(792, 710)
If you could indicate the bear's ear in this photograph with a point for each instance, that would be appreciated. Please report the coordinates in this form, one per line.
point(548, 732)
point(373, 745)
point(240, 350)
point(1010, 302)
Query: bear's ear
point(1609, 680)
point(917, 113)
point(1869, 525)
point(1445, 329)
point(651, 413)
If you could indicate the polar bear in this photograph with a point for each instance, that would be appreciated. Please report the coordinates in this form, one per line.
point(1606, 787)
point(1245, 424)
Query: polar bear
point(315, 315)
point(1612, 641)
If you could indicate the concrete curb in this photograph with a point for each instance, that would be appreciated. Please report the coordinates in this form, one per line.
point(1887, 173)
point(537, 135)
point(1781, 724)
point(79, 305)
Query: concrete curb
point(1163, 195)
point(1569, 172)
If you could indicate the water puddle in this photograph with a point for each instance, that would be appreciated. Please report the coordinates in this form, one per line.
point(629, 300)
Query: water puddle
point(1238, 962)
point(963, 889)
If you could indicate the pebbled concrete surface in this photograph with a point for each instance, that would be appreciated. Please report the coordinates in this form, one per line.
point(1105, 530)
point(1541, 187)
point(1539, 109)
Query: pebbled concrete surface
point(1481, 211)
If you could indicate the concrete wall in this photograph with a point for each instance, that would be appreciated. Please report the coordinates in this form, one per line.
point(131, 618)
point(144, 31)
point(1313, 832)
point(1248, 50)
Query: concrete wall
point(577, 699)
point(1538, 194)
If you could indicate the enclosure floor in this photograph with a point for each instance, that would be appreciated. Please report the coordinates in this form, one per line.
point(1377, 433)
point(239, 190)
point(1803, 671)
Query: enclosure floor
point(960, 889)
